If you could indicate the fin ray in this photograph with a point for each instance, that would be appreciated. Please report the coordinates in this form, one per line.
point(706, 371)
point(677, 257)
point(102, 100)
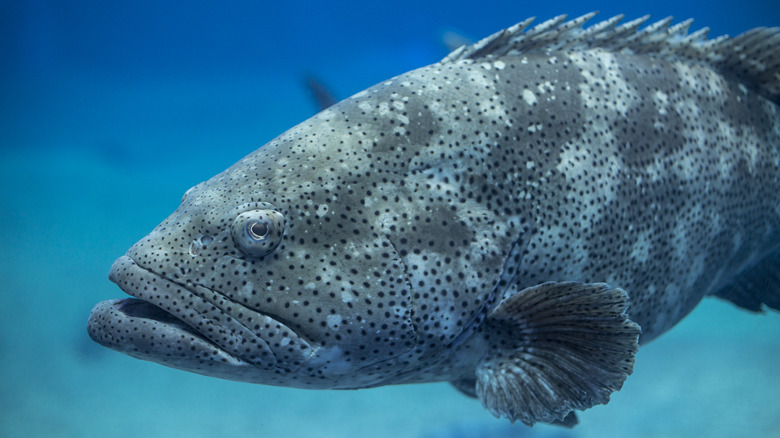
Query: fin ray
point(558, 347)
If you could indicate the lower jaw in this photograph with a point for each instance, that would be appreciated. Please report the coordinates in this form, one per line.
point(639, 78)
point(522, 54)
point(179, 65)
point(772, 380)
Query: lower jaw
point(205, 316)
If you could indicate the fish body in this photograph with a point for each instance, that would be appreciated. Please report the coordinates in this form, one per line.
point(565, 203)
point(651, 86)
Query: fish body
point(509, 219)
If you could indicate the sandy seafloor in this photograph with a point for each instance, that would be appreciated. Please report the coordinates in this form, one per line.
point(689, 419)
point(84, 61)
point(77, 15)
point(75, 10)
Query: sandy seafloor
point(91, 162)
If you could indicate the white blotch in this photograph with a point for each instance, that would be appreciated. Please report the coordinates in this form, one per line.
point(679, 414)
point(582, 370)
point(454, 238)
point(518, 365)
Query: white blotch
point(641, 248)
point(529, 97)
point(383, 109)
point(365, 106)
point(688, 167)
point(546, 87)
point(578, 163)
point(661, 101)
point(400, 312)
point(346, 297)
point(696, 268)
point(726, 160)
point(680, 241)
point(536, 127)
point(716, 223)
point(736, 243)
point(651, 290)
point(703, 81)
point(489, 108)
point(655, 169)
point(246, 290)
point(334, 321)
point(529, 165)
point(750, 148)
point(499, 65)
point(597, 74)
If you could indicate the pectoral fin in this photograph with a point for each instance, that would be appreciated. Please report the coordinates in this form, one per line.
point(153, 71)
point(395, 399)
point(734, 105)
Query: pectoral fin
point(556, 347)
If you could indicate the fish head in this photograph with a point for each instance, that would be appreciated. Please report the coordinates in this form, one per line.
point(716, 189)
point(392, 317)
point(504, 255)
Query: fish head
point(354, 250)
point(271, 272)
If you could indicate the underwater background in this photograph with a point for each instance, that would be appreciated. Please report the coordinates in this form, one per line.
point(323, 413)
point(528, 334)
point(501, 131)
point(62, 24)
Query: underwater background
point(110, 111)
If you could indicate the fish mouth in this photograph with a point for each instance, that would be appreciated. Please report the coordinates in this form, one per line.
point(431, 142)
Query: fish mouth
point(135, 308)
point(184, 326)
point(144, 331)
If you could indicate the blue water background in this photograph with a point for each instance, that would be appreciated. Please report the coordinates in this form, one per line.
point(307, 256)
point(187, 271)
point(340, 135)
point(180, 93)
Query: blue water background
point(110, 110)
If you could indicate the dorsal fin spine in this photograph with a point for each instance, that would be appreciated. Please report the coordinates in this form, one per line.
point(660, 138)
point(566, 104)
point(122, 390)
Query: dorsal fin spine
point(681, 29)
point(632, 25)
point(699, 36)
point(752, 57)
point(546, 26)
point(602, 26)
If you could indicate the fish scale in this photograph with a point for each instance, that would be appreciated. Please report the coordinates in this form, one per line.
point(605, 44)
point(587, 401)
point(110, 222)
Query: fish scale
point(514, 219)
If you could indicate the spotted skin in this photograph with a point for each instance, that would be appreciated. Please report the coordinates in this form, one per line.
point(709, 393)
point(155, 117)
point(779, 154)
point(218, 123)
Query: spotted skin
point(412, 208)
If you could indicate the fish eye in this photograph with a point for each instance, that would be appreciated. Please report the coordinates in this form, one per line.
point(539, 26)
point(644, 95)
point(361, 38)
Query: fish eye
point(258, 232)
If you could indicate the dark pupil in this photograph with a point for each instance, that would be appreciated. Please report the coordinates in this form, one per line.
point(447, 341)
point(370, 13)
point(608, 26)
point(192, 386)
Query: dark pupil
point(258, 230)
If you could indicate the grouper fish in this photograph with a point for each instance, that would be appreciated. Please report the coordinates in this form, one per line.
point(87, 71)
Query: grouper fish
point(515, 219)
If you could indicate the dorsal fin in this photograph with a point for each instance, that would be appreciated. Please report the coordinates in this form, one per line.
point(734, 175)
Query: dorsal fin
point(752, 57)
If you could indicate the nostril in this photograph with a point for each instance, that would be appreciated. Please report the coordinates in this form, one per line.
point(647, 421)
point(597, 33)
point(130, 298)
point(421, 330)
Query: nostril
point(199, 243)
point(195, 248)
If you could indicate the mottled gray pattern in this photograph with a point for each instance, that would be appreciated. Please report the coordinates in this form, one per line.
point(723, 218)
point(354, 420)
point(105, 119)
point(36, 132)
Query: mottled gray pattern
point(412, 208)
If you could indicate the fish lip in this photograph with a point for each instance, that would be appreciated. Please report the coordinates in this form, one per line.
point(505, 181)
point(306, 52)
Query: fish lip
point(135, 313)
point(137, 308)
point(159, 291)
